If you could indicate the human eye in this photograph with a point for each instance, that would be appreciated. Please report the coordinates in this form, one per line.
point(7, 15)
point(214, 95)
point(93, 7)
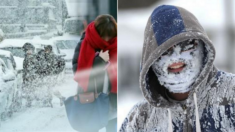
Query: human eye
point(190, 46)
point(168, 52)
point(165, 53)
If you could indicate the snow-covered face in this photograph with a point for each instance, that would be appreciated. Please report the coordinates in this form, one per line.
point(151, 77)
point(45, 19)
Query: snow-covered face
point(29, 52)
point(179, 66)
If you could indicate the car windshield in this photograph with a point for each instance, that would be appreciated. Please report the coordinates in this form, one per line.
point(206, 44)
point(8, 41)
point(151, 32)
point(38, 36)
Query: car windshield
point(16, 51)
point(66, 44)
point(4, 58)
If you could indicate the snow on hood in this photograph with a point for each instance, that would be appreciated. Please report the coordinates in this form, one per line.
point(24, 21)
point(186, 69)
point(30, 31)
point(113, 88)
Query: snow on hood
point(167, 26)
point(19, 62)
point(13, 42)
point(5, 53)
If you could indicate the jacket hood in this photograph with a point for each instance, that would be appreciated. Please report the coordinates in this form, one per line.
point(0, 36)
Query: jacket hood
point(167, 26)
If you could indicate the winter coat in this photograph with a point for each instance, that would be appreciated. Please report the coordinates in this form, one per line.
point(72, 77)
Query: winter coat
point(76, 53)
point(92, 42)
point(98, 63)
point(41, 65)
point(48, 64)
point(97, 74)
point(29, 70)
point(210, 105)
point(51, 62)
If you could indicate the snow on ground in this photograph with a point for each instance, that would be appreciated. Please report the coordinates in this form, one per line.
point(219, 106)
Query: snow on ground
point(44, 119)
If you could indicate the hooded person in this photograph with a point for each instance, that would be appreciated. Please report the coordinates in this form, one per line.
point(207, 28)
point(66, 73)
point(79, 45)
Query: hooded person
point(29, 63)
point(29, 73)
point(183, 90)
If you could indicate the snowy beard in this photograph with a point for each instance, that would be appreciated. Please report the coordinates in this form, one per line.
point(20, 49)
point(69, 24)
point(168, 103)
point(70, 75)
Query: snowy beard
point(182, 81)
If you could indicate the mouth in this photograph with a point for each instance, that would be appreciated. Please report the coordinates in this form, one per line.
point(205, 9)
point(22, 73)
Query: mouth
point(176, 67)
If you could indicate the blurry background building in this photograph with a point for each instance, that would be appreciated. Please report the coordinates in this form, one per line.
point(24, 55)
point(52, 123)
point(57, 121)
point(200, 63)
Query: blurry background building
point(217, 18)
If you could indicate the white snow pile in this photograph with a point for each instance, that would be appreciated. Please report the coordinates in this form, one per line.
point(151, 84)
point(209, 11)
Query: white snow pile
point(13, 42)
point(5, 53)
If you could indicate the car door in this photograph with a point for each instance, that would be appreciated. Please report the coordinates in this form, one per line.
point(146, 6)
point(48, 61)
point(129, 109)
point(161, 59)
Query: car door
point(7, 90)
point(16, 82)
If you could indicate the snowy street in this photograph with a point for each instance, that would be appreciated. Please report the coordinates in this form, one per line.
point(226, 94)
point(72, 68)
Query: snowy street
point(45, 118)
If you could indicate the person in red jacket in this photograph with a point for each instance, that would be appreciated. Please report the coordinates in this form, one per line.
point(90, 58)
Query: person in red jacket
point(97, 60)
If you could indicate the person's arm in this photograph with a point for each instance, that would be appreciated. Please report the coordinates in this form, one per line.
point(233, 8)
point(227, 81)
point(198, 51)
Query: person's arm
point(101, 59)
point(76, 54)
point(130, 120)
point(24, 70)
point(97, 74)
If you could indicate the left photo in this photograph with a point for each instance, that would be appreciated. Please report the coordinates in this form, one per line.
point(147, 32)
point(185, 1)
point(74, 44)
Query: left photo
point(58, 65)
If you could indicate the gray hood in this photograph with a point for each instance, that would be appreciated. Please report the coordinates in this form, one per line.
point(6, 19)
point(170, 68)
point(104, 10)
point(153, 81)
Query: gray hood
point(167, 26)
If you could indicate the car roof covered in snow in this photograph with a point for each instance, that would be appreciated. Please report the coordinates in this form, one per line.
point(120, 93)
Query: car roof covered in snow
point(38, 41)
point(5, 53)
point(13, 42)
point(66, 37)
point(43, 42)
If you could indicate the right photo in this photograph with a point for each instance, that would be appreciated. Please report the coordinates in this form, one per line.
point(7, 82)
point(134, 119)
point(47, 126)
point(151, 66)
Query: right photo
point(176, 66)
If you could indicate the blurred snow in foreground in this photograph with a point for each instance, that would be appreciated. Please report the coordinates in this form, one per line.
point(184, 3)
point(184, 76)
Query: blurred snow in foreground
point(44, 119)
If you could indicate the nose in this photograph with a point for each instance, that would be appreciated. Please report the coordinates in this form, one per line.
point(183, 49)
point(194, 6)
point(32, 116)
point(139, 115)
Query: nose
point(176, 52)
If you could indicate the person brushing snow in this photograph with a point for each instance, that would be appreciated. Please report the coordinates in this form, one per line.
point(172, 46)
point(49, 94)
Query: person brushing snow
point(183, 90)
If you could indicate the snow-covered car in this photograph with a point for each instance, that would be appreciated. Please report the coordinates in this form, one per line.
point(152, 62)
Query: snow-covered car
point(9, 60)
point(7, 91)
point(11, 64)
point(67, 44)
point(15, 47)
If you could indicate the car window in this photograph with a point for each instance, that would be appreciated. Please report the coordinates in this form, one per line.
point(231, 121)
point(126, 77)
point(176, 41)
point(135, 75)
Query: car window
point(4, 58)
point(13, 62)
point(58, 49)
point(3, 68)
point(16, 51)
point(66, 44)
point(39, 49)
point(55, 50)
point(60, 44)
point(7, 61)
